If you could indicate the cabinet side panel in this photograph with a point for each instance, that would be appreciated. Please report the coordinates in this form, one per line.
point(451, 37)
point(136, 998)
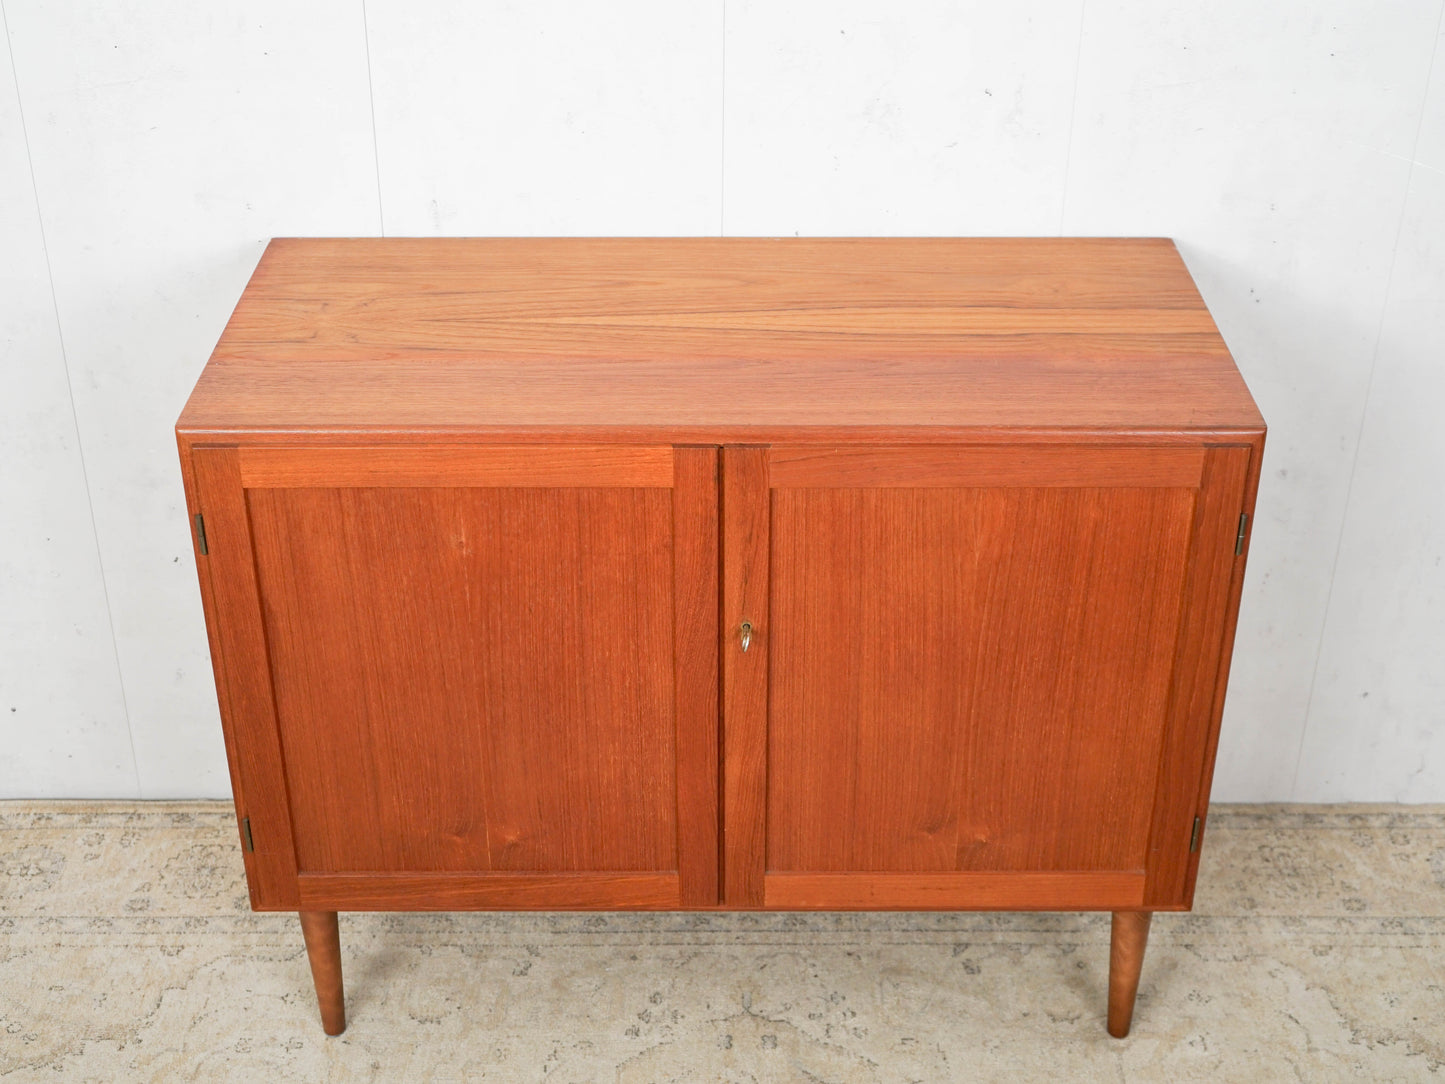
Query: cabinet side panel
point(1221, 681)
point(244, 671)
point(745, 673)
point(1195, 702)
point(473, 678)
point(218, 659)
point(695, 671)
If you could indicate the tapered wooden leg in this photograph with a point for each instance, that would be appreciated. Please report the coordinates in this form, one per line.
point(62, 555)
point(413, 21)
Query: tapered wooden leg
point(1126, 957)
point(323, 949)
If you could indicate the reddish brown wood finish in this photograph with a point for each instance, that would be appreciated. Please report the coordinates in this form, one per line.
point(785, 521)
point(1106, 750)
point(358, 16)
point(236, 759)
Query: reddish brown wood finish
point(695, 672)
point(1029, 633)
point(485, 518)
point(1129, 934)
point(959, 466)
point(450, 466)
point(243, 679)
point(208, 606)
point(972, 890)
point(491, 668)
point(1221, 681)
point(440, 706)
point(712, 340)
point(1196, 699)
point(989, 695)
point(745, 673)
point(387, 891)
point(323, 951)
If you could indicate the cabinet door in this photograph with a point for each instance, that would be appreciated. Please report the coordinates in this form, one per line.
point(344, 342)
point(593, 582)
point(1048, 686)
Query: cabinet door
point(468, 676)
point(976, 676)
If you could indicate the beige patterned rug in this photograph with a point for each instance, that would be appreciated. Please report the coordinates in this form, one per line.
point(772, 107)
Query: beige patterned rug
point(1316, 952)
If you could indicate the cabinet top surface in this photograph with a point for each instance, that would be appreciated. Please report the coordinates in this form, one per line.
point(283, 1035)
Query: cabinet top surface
point(719, 339)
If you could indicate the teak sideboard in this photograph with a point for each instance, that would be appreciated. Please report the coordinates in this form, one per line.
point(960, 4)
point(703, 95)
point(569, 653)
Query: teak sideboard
point(721, 573)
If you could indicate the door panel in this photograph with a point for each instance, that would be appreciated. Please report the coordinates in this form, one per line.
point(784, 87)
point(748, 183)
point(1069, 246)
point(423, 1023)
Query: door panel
point(969, 678)
point(472, 664)
point(969, 656)
point(493, 664)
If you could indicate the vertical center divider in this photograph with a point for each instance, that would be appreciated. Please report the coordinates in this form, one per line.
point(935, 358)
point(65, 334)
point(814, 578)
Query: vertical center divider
point(695, 671)
point(744, 673)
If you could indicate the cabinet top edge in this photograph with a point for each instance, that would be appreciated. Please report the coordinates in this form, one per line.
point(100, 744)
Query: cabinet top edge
point(715, 436)
point(720, 333)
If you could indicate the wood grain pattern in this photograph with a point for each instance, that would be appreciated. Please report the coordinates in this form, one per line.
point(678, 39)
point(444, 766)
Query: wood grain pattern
point(457, 465)
point(213, 641)
point(969, 679)
point(973, 890)
point(473, 678)
point(490, 891)
point(469, 577)
point(243, 678)
point(323, 951)
point(695, 672)
point(1197, 697)
point(486, 516)
point(745, 545)
point(719, 340)
point(961, 465)
point(1221, 681)
point(1130, 934)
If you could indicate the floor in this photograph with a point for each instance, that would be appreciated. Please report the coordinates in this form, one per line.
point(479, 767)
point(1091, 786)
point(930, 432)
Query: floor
point(1316, 952)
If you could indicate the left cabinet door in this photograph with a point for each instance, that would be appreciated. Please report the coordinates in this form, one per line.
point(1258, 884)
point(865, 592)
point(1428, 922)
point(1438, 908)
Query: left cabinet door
point(467, 676)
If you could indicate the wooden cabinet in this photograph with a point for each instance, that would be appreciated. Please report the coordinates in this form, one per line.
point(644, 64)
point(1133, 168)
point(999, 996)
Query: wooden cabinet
point(692, 574)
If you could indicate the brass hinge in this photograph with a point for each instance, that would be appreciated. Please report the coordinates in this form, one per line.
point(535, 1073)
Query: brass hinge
point(1194, 837)
point(1239, 538)
point(201, 534)
point(251, 843)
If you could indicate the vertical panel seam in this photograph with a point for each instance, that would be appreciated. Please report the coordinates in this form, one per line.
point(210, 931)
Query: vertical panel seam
point(371, 101)
point(70, 391)
point(720, 490)
point(1365, 403)
point(1073, 119)
point(723, 129)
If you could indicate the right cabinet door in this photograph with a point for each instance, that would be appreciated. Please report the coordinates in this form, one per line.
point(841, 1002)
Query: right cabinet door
point(975, 676)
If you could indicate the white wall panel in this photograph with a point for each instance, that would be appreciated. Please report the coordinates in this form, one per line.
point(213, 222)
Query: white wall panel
point(170, 139)
point(547, 117)
point(62, 715)
point(1376, 728)
point(1272, 141)
point(1275, 141)
point(868, 118)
